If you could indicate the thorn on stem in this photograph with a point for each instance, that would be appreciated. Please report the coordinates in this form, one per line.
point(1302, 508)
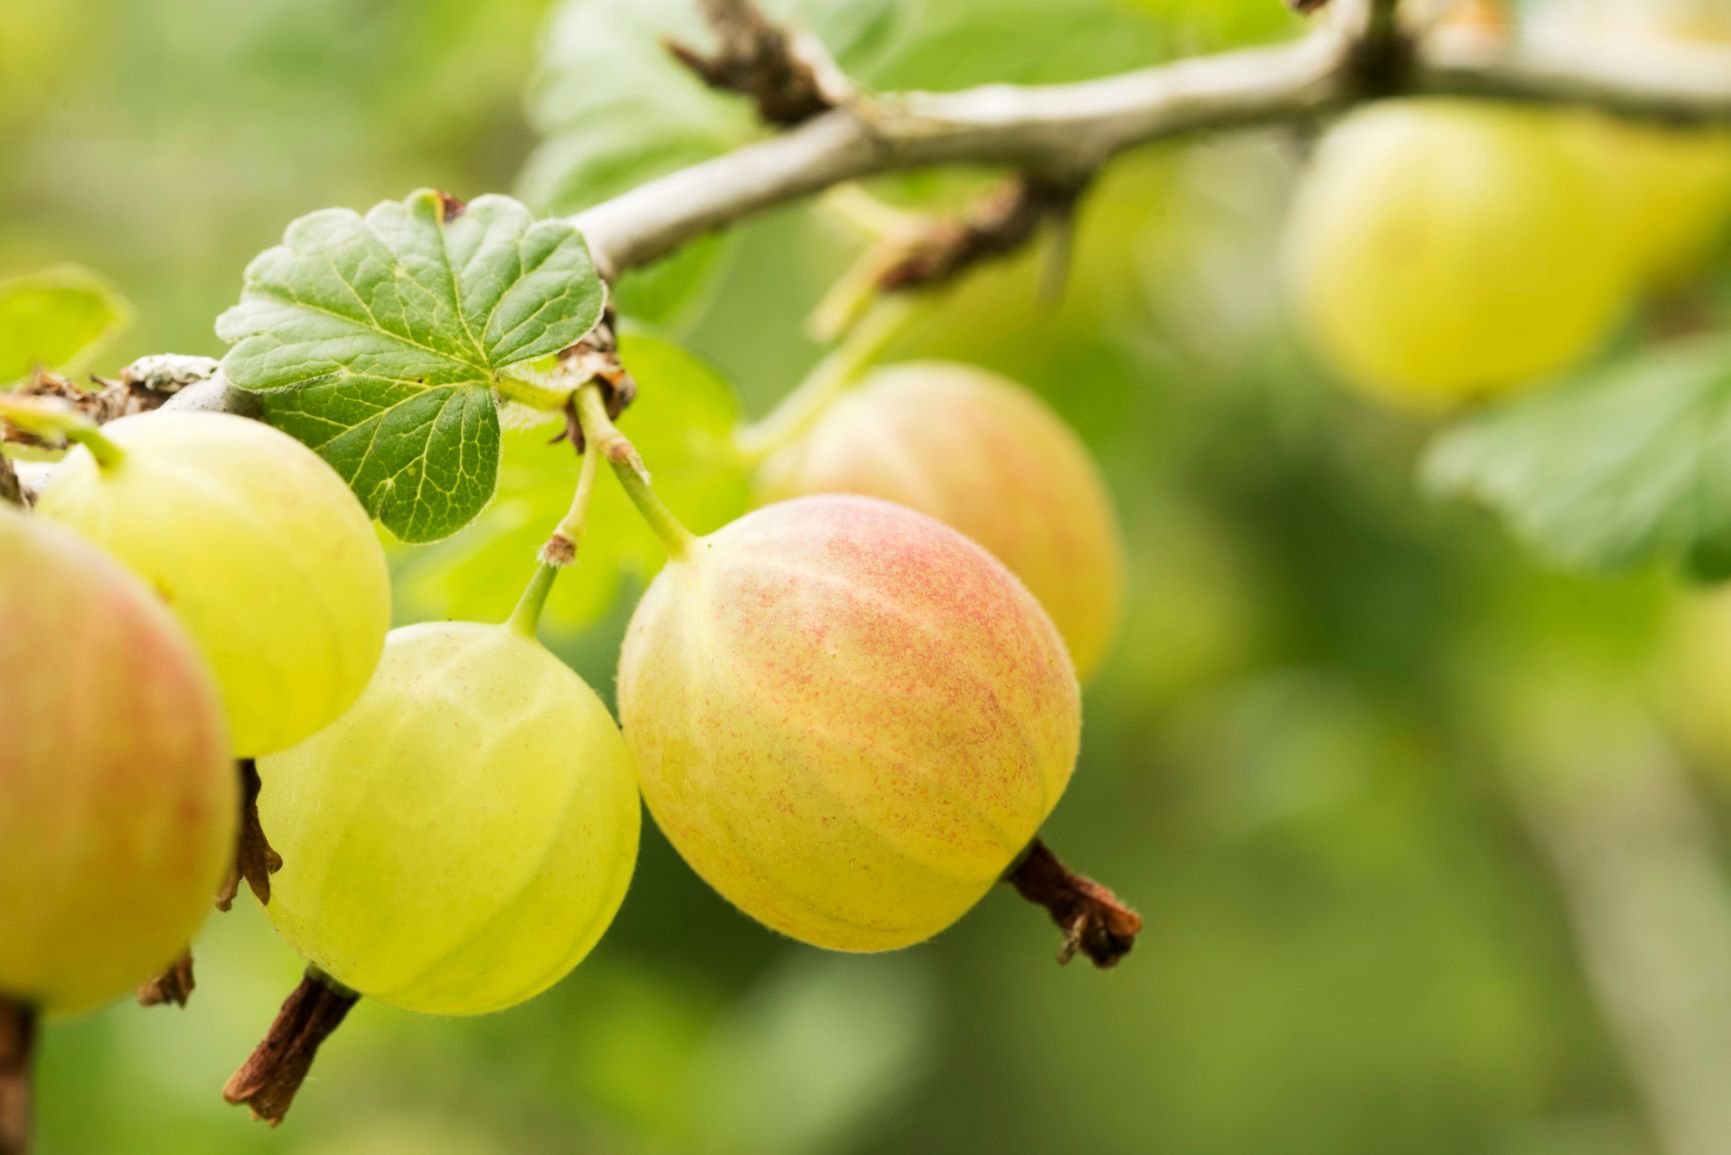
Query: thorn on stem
point(268, 1080)
point(254, 860)
point(1095, 921)
point(174, 985)
point(17, 1043)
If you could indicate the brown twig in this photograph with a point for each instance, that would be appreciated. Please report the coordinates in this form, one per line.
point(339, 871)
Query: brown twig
point(996, 226)
point(757, 60)
point(142, 386)
point(174, 985)
point(17, 1042)
point(1094, 920)
point(254, 860)
point(268, 1080)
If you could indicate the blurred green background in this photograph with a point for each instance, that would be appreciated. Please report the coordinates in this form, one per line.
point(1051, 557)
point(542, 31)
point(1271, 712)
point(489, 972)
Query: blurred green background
point(1427, 836)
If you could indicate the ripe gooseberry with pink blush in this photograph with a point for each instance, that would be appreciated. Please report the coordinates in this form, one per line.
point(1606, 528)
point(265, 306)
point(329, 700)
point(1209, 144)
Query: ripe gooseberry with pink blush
point(848, 718)
point(118, 796)
point(984, 456)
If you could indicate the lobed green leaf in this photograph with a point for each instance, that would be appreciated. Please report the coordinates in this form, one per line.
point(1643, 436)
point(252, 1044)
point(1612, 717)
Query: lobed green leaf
point(1627, 466)
point(379, 340)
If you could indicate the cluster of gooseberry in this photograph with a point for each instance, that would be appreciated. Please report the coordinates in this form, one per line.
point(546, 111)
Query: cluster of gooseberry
point(1444, 251)
point(850, 710)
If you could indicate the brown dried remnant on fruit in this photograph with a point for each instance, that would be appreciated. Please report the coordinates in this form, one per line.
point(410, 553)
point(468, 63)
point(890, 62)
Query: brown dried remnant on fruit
point(268, 1080)
point(17, 1041)
point(174, 985)
point(254, 860)
point(1094, 920)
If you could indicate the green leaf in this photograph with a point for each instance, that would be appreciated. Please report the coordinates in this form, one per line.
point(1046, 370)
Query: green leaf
point(1627, 466)
point(606, 64)
point(861, 32)
point(58, 318)
point(615, 110)
point(682, 423)
point(379, 340)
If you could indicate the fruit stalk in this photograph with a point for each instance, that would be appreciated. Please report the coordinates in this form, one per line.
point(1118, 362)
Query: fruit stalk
point(58, 421)
point(526, 618)
point(800, 409)
point(1094, 920)
point(561, 548)
point(602, 436)
point(268, 1080)
point(532, 393)
point(17, 1040)
point(254, 860)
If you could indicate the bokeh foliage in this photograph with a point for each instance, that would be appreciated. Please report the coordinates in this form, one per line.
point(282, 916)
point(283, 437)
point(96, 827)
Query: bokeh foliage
point(1297, 764)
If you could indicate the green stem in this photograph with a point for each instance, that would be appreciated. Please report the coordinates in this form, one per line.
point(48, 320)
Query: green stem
point(571, 526)
point(604, 438)
point(532, 393)
point(44, 417)
point(872, 215)
point(851, 296)
point(829, 379)
point(525, 620)
point(103, 449)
